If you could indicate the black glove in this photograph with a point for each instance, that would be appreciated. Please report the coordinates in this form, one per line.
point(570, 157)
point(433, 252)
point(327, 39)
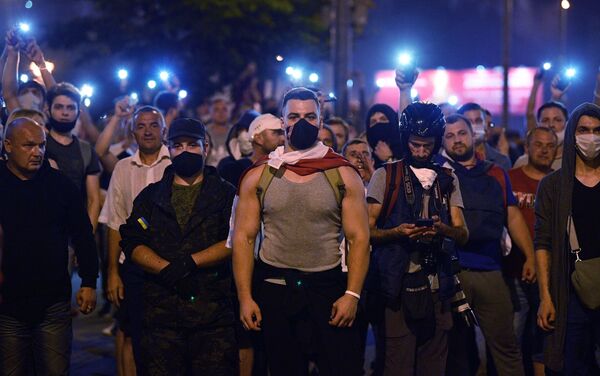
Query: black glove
point(177, 270)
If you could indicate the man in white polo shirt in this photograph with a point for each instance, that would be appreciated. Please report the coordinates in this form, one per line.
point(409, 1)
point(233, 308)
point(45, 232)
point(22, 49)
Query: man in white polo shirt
point(130, 176)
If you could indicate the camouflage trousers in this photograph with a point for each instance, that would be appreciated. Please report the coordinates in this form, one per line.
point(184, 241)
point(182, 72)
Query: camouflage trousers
point(185, 351)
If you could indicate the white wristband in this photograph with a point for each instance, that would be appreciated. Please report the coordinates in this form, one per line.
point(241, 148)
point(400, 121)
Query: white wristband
point(352, 293)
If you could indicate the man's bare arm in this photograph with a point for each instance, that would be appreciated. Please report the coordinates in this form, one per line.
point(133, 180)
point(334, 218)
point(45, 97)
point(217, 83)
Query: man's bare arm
point(247, 225)
point(9, 74)
point(148, 260)
point(355, 222)
point(92, 187)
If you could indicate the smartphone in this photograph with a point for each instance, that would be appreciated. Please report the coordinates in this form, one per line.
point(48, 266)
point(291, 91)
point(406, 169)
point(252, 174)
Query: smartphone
point(409, 70)
point(424, 222)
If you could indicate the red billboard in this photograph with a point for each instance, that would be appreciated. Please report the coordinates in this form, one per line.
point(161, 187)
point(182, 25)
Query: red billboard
point(480, 85)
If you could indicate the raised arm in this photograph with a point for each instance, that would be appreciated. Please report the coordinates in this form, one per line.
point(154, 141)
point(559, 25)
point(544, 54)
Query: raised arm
point(9, 74)
point(530, 114)
point(35, 54)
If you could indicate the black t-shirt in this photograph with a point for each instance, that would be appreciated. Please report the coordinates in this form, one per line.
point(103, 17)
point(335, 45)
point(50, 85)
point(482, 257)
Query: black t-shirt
point(69, 159)
point(586, 202)
point(231, 169)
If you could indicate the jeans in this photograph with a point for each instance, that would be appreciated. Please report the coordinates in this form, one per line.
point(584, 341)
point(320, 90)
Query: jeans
point(489, 296)
point(43, 348)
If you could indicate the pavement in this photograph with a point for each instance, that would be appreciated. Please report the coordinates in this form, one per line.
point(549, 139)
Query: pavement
point(93, 352)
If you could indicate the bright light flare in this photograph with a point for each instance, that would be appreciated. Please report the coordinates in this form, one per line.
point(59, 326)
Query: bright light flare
point(565, 4)
point(164, 75)
point(123, 74)
point(151, 84)
point(24, 27)
point(547, 66)
point(182, 94)
point(453, 100)
point(405, 58)
point(87, 90)
point(570, 72)
point(24, 78)
point(313, 77)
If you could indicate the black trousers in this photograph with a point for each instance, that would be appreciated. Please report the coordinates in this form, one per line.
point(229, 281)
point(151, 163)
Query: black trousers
point(296, 328)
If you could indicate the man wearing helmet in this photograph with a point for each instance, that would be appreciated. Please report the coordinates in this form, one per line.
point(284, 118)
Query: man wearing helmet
point(415, 216)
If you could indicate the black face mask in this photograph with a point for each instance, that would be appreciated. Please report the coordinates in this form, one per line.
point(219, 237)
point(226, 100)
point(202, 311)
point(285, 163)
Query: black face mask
point(61, 126)
point(188, 164)
point(379, 132)
point(304, 135)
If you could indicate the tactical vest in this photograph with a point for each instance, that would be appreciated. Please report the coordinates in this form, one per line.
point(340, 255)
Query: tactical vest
point(390, 261)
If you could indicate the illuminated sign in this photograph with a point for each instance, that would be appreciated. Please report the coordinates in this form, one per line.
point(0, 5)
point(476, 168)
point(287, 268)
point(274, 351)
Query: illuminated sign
point(480, 85)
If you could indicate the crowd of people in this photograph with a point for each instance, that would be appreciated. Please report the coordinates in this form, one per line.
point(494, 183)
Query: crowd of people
point(272, 246)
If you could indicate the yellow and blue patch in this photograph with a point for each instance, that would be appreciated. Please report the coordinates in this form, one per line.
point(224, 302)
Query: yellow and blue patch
point(143, 222)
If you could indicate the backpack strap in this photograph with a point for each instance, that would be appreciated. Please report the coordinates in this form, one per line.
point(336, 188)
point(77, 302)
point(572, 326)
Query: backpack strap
point(337, 184)
point(264, 181)
point(393, 177)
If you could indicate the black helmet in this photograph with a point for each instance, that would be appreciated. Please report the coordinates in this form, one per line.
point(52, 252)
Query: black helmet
point(422, 119)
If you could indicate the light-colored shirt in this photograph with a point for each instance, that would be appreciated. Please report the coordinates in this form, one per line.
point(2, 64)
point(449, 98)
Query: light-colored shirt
point(129, 178)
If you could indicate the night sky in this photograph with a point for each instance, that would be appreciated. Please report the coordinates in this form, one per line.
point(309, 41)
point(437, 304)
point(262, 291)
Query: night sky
point(451, 33)
point(464, 33)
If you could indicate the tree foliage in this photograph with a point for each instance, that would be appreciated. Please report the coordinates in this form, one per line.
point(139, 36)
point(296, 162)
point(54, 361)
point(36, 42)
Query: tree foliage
point(207, 42)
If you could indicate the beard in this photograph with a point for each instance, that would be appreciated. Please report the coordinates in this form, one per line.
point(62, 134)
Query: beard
point(468, 154)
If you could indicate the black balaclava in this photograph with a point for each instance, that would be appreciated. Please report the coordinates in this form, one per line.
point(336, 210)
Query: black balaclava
point(380, 132)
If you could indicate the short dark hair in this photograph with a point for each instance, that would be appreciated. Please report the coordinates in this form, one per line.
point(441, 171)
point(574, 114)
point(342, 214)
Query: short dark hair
point(355, 141)
point(333, 139)
point(471, 106)
point(66, 89)
point(455, 118)
point(532, 132)
point(300, 93)
point(552, 104)
point(165, 101)
point(149, 109)
point(339, 121)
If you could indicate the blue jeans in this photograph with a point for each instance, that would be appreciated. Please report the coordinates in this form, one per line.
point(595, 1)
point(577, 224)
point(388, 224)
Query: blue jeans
point(583, 335)
point(43, 348)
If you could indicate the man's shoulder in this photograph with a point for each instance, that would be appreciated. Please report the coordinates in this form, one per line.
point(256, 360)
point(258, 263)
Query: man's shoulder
point(515, 173)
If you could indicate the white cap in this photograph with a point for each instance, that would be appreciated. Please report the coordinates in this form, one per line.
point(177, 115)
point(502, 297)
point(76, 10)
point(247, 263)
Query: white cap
point(263, 122)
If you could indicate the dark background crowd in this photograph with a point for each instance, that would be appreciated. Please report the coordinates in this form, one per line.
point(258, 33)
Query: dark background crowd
point(224, 63)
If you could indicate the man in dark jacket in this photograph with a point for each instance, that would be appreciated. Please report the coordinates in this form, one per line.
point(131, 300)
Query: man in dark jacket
point(573, 190)
point(40, 211)
point(176, 233)
point(489, 205)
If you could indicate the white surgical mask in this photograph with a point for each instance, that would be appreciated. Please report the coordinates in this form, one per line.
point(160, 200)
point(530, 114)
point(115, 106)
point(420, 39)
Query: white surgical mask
point(478, 133)
point(245, 143)
point(30, 101)
point(588, 145)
